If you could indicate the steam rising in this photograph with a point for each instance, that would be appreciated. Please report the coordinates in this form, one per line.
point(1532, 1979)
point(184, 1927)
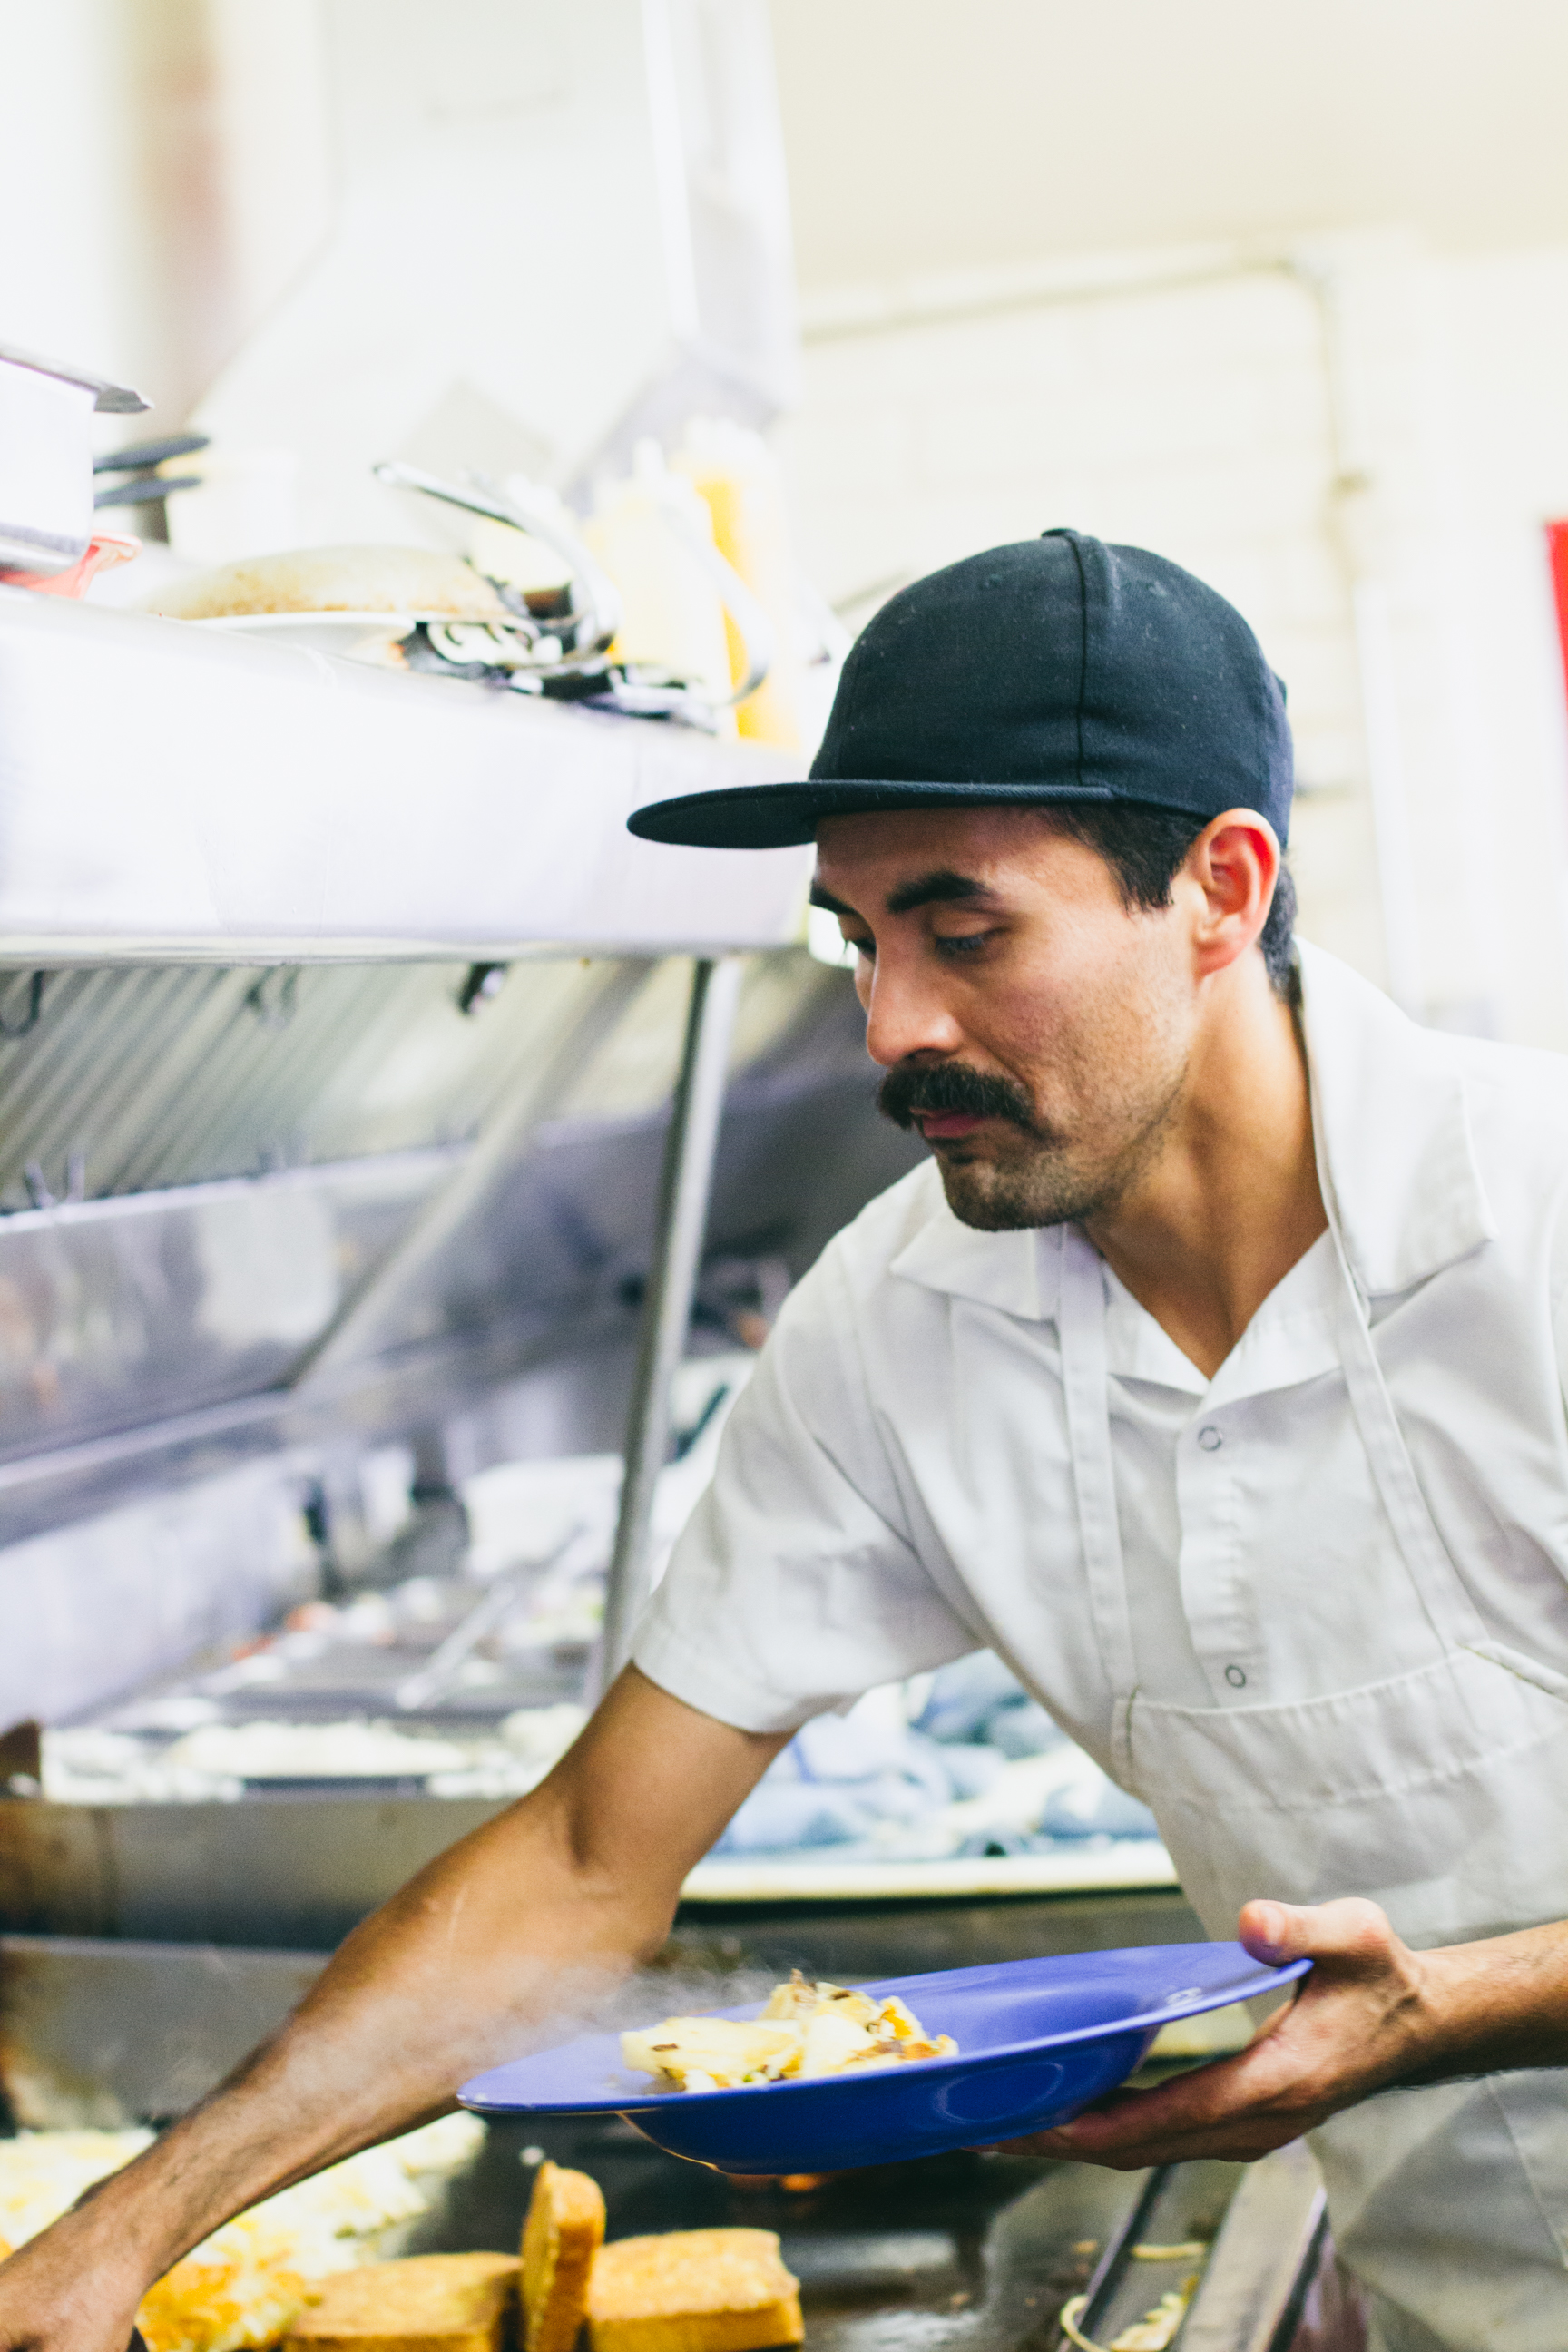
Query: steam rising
point(593, 2002)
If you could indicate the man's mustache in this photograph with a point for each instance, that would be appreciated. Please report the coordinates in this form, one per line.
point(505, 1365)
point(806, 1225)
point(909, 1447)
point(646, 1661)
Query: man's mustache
point(952, 1088)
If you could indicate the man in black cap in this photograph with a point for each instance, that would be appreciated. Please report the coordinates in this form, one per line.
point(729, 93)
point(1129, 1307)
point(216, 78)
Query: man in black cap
point(1210, 1372)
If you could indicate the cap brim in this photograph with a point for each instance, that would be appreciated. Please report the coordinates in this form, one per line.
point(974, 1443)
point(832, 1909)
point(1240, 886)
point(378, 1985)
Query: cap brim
point(776, 816)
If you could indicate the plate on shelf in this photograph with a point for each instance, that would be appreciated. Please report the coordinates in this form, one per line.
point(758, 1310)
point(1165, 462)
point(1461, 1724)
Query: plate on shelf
point(1038, 2041)
point(325, 632)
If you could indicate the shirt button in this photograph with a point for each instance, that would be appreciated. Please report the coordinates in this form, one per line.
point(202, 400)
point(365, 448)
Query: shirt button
point(1235, 1677)
point(1210, 1439)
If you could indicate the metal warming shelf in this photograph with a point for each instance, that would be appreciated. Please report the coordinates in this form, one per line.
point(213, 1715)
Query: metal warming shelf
point(170, 793)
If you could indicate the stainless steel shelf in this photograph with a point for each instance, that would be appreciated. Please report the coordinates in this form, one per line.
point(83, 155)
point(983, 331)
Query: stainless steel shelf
point(174, 793)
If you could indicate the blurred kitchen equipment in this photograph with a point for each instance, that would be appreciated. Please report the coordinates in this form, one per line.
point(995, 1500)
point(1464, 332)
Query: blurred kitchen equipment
point(137, 463)
point(559, 643)
point(739, 480)
point(686, 605)
point(433, 1679)
point(638, 625)
point(103, 553)
point(137, 480)
point(46, 458)
point(351, 583)
point(672, 292)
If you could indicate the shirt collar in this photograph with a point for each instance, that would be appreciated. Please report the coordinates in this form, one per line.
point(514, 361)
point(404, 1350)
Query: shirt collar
point(1000, 1270)
point(1395, 1149)
point(1394, 1152)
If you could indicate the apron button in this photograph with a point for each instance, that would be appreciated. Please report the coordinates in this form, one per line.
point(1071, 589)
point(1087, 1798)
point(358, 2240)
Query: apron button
point(1235, 1677)
point(1210, 1439)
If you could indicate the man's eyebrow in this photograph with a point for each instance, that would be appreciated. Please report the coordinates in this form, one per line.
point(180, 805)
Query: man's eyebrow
point(941, 887)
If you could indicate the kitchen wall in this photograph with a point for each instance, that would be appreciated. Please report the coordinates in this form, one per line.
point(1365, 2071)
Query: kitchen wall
point(1357, 439)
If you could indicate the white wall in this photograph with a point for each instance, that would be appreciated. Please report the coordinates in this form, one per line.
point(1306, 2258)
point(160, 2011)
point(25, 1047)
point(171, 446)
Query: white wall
point(1357, 442)
point(925, 136)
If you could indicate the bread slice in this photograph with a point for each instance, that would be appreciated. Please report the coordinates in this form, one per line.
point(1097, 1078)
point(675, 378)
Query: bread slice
point(428, 2303)
point(563, 2231)
point(693, 2291)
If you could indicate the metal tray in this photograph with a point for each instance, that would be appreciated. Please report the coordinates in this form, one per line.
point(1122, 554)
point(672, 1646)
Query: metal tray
point(302, 1870)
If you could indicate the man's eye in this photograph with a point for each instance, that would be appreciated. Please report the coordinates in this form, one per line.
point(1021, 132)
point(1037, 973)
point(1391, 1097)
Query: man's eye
point(960, 944)
point(861, 946)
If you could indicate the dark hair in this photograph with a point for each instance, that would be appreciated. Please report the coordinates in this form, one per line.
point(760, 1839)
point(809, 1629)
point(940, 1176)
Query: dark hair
point(1144, 845)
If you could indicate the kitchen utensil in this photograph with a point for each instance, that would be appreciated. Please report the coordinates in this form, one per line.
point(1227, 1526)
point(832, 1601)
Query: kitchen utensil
point(139, 456)
point(595, 607)
point(45, 461)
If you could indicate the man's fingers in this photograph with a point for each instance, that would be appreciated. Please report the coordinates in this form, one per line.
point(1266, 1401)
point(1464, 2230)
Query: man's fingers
point(1350, 1930)
point(1344, 2032)
point(1257, 2077)
point(1250, 2094)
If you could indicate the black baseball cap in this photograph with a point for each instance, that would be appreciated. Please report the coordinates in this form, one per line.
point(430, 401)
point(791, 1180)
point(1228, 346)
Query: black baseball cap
point(1057, 668)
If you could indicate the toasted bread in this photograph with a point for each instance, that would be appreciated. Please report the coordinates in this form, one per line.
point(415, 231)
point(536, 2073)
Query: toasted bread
point(563, 2231)
point(428, 2303)
point(693, 2291)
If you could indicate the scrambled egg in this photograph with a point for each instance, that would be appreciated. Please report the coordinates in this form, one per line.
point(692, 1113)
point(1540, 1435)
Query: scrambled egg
point(806, 2029)
point(243, 2287)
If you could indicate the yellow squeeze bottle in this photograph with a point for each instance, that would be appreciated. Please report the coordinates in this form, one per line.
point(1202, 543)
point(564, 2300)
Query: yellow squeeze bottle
point(739, 477)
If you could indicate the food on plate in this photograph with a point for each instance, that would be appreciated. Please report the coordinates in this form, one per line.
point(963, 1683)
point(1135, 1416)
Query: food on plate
point(563, 2231)
point(430, 2303)
point(707, 2054)
point(693, 2291)
point(806, 2029)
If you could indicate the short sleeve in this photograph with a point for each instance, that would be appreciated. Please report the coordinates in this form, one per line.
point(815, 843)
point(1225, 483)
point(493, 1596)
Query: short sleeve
point(794, 1586)
point(1559, 1302)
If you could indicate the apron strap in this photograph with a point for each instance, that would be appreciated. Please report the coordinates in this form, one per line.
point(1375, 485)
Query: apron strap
point(1439, 1588)
point(1085, 1386)
point(1442, 1592)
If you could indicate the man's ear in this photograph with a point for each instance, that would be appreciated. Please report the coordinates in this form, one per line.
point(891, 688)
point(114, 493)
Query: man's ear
point(1234, 864)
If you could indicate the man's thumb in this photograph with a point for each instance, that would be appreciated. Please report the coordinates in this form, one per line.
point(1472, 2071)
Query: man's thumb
point(1275, 1932)
point(1350, 1928)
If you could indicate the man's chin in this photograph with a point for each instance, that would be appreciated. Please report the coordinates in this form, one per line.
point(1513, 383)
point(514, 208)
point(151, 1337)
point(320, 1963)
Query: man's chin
point(993, 1200)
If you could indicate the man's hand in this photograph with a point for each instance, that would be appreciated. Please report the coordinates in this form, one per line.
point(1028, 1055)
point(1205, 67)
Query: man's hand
point(72, 2290)
point(505, 1940)
point(1373, 2013)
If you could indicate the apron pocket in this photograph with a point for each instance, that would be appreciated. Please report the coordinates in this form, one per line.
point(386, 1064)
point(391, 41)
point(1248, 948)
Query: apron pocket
point(1529, 1670)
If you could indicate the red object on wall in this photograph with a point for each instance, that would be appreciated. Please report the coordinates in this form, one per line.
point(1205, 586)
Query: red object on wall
point(1557, 545)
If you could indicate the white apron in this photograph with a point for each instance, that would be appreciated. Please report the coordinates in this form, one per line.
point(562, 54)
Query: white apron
point(1437, 1786)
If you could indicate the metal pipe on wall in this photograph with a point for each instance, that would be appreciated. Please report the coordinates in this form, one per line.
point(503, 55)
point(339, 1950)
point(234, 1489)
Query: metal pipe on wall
point(685, 1180)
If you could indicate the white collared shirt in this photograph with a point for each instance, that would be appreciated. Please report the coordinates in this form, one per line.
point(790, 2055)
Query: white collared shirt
point(894, 1486)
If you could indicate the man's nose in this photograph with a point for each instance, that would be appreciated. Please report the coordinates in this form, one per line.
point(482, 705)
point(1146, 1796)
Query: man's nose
point(905, 1016)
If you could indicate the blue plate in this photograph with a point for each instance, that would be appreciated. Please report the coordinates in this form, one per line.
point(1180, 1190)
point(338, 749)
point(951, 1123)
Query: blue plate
point(1038, 2041)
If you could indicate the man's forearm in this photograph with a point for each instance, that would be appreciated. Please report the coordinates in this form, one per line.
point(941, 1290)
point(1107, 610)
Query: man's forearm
point(460, 1970)
point(512, 1938)
point(1494, 2005)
